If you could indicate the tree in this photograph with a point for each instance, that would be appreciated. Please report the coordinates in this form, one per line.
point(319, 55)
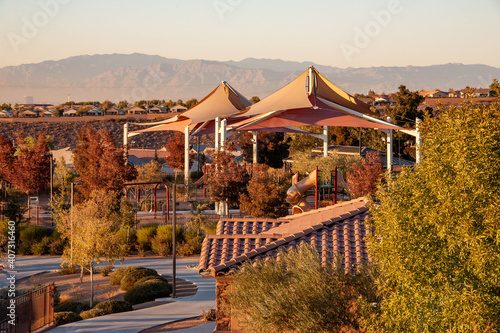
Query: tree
point(406, 110)
point(190, 103)
point(122, 104)
point(436, 229)
point(364, 176)
point(495, 88)
point(266, 193)
point(28, 166)
point(295, 294)
point(175, 149)
point(272, 148)
point(91, 229)
point(100, 164)
point(255, 99)
point(227, 181)
point(63, 177)
point(305, 142)
point(106, 105)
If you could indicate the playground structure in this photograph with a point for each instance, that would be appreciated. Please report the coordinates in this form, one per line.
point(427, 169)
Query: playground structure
point(322, 188)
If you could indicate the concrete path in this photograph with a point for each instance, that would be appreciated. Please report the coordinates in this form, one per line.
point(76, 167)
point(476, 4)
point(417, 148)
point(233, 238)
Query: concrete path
point(138, 320)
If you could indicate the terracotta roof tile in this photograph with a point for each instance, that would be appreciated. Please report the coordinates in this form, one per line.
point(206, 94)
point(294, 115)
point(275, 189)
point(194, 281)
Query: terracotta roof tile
point(338, 230)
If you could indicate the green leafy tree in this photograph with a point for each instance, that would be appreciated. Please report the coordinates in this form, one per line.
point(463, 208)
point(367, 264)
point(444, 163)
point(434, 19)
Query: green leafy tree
point(495, 88)
point(295, 294)
point(305, 142)
point(266, 193)
point(406, 110)
point(272, 148)
point(190, 103)
point(63, 177)
point(91, 227)
point(255, 99)
point(122, 104)
point(436, 230)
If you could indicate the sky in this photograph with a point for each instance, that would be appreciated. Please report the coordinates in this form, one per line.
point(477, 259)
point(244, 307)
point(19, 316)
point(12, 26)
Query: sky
point(340, 33)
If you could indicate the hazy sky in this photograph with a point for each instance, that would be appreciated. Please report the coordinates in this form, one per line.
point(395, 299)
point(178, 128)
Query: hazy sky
point(342, 33)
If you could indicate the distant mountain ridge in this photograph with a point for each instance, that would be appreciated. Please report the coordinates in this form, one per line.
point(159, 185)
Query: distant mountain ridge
point(139, 76)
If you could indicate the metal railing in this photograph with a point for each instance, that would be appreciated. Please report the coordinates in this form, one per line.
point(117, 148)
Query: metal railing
point(34, 310)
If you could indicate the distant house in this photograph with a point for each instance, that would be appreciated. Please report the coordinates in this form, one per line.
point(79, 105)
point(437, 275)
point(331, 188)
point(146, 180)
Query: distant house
point(28, 114)
point(70, 113)
point(158, 109)
point(94, 112)
point(47, 113)
point(6, 114)
point(115, 111)
point(433, 94)
point(136, 110)
point(178, 108)
point(476, 92)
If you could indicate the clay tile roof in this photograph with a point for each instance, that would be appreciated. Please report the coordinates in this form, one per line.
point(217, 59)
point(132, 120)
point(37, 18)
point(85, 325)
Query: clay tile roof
point(334, 230)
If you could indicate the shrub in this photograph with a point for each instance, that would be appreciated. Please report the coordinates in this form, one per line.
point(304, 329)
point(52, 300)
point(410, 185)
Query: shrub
point(67, 269)
point(106, 270)
point(129, 280)
point(41, 247)
point(151, 277)
point(162, 245)
point(132, 235)
point(75, 307)
point(191, 247)
point(166, 230)
point(112, 306)
point(144, 236)
point(147, 291)
point(57, 246)
point(117, 276)
point(62, 318)
point(92, 313)
point(29, 236)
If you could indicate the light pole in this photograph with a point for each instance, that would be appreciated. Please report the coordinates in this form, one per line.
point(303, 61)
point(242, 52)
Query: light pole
point(174, 218)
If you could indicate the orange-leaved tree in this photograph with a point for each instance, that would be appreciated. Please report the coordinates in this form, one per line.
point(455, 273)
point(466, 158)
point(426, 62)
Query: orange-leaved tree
point(363, 178)
point(100, 164)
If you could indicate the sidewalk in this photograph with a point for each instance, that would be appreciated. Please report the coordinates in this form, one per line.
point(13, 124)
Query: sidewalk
point(138, 320)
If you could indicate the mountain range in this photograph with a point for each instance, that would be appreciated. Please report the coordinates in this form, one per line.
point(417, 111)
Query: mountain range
point(137, 76)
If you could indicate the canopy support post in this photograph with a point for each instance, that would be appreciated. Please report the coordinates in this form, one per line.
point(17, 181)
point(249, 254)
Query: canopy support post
point(217, 122)
point(223, 125)
point(418, 139)
point(389, 146)
point(325, 141)
point(125, 142)
point(254, 146)
point(186, 156)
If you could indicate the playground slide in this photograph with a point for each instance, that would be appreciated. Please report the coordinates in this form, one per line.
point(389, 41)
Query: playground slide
point(297, 190)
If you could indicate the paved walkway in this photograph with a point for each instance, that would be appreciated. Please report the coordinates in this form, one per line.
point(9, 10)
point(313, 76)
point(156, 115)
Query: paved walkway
point(138, 320)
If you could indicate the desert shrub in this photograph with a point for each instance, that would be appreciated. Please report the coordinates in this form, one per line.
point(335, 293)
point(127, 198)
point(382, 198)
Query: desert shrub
point(151, 277)
point(41, 247)
point(75, 307)
point(132, 235)
point(148, 291)
point(30, 235)
point(92, 313)
point(117, 276)
point(62, 318)
point(57, 246)
point(67, 269)
point(162, 245)
point(166, 230)
point(112, 306)
point(106, 270)
point(129, 280)
point(191, 246)
point(144, 236)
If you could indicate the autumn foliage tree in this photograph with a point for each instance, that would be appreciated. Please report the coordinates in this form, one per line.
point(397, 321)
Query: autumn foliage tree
point(100, 164)
point(227, 180)
point(363, 177)
point(266, 193)
point(175, 149)
point(26, 166)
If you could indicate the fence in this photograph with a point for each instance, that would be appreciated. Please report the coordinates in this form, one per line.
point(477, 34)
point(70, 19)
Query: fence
point(34, 310)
